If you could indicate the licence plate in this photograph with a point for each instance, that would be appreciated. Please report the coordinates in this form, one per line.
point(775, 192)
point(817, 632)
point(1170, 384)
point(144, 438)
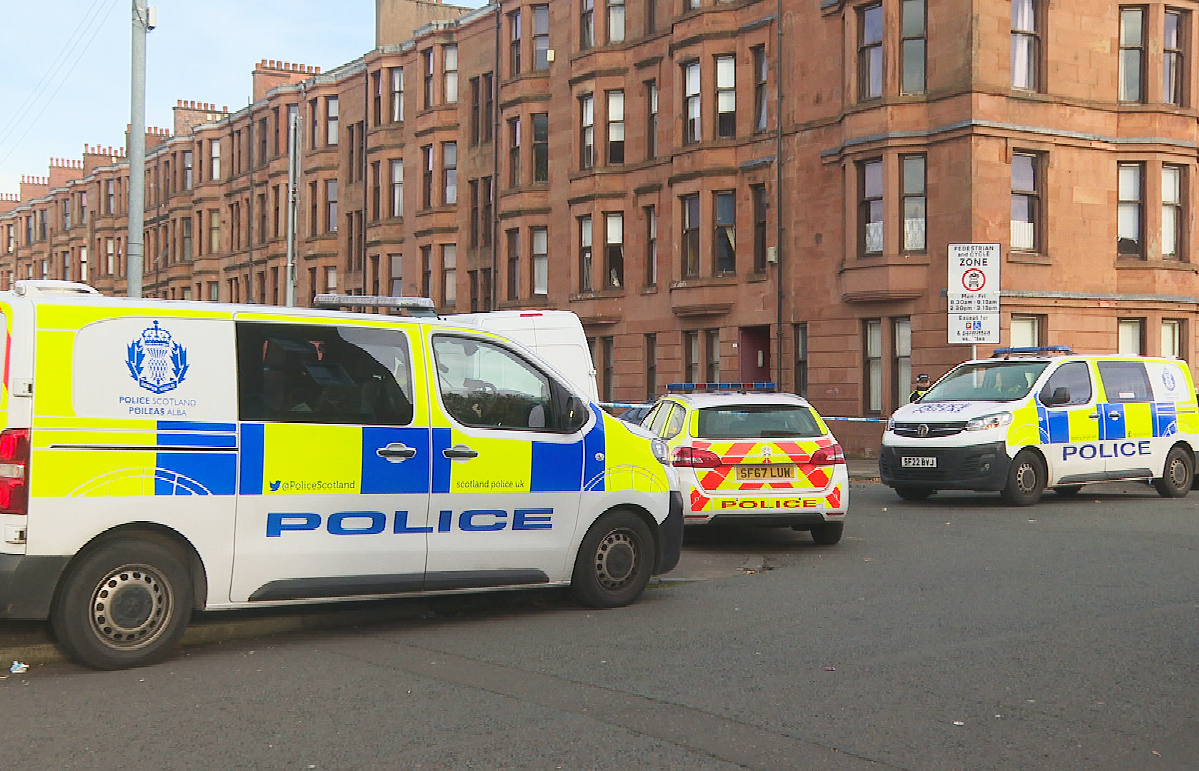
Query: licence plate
point(918, 461)
point(770, 471)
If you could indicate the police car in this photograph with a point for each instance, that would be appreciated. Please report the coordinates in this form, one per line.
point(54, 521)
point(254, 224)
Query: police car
point(160, 457)
point(1028, 419)
point(747, 453)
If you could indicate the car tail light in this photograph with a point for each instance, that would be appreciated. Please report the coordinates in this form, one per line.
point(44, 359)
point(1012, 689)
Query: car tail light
point(695, 458)
point(14, 466)
point(832, 455)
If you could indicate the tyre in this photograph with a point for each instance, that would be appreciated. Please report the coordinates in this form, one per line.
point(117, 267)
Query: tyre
point(1177, 475)
point(828, 534)
point(125, 603)
point(1025, 479)
point(614, 561)
point(1067, 491)
point(913, 493)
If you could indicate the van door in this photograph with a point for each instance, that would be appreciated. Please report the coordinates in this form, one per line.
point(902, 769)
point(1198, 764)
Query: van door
point(1070, 428)
point(335, 463)
point(508, 468)
point(1126, 421)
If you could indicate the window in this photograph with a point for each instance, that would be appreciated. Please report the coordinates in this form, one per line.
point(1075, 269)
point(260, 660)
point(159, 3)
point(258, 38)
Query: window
point(1129, 213)
point(651, 246)
point(295, 373)
point(712, 355)
point(585, 256)
point(541, 147)
point(901, 361)
point(214, 158)
point(427, 69)
point(377, 97)
point(214, 229)
point(689, 204)
point(870, 52)
point(1132, 54)
point(467, 366)
point(615, 21)
point(651, 16)
point(586, 131)
point(486, 189)
point(1172, 338)
point(1173, 58)
point(1131, 337)
point(586, 23)
point(1072, 376)
point(1172, 221)
point(540, 261)
point(651, 366)
point(513, 152)
point(188, 179)
point(397, 94)
point(331, 205)
point(801, 359)
point(64, 218)
point(488, 127)
point(614, 251)
point(426, 271)
point(512, 238)
point(726, 97)
point(870, 207)
point(473, 240)
point(914, 202)
point(724, 238)
point(651, 123)
point(449, 275)
point(607, 367)
point(690, 5)
point(872, 371)
point(761, 205)
point(514, 43)
point(541, 37)
point(1026, 203)
point(474, 111)
point(615, 127)
point(312, 122)
point(912, 49)
point(1026, 331)
point(376, 190)
point(760, 101)
point(691, 356)
point(691, 107)
point(110, 198)
point(449, 172)
point(331, 120)
point(449, 66)
point(426, 196)
point(397, 187)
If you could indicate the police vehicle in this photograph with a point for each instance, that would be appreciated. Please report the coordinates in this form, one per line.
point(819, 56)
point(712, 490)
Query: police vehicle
point(748, 454)
point(1031, 418)
point(158, 457)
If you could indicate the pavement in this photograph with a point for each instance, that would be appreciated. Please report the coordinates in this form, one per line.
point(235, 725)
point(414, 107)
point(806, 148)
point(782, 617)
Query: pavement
point(31, 643)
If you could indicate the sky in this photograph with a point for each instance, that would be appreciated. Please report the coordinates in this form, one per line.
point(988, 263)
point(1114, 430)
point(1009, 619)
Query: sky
point(66, 65)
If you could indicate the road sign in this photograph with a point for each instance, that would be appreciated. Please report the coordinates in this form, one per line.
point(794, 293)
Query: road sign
point(972, 292)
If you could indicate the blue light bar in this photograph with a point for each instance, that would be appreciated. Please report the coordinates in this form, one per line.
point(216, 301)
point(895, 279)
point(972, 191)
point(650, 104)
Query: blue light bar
point(691, 388)
point(1032, 350)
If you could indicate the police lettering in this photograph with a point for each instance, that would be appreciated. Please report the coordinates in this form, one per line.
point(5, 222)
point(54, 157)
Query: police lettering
point(770, 503)
point(375, 522)
point(1106, 450)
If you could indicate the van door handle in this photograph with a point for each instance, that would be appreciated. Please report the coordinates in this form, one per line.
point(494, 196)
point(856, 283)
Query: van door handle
point(1094, 415)
point(396, 452)
point(460, 451)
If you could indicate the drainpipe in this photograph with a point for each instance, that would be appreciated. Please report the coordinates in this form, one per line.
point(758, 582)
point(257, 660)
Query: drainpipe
point(495, 165)
point(778, 187)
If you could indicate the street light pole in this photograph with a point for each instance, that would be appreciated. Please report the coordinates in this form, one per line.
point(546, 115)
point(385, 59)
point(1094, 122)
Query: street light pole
point(135, 241)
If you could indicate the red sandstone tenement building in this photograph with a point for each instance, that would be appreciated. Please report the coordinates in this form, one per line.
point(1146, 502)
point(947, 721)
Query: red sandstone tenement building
point(642, 163)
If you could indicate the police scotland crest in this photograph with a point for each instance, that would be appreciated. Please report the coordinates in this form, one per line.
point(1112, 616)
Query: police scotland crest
point(157, 362)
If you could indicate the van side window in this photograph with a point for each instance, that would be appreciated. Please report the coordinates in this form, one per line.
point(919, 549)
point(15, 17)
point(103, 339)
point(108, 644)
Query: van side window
point(1075, 377)
point(302, 373)
point(658, 417)
point(486, 385)
point(1125, 381)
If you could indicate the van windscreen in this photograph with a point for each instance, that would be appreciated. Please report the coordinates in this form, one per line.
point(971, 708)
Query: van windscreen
point(991, 381)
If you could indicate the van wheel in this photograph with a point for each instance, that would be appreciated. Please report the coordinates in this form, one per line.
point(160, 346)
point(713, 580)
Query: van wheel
point(125, 603)
point(828, 534)
point(1025, 479)
point(913, 493)
point(1067, 491)
point(1176, 478)
point(614, 562)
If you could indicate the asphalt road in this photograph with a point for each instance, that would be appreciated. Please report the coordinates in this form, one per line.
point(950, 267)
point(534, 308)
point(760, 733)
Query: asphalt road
point(954, 633)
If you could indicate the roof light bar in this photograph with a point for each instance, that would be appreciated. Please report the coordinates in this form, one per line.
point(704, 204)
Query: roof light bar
point(690, 388)
point(416, 306)
point(1031, 350)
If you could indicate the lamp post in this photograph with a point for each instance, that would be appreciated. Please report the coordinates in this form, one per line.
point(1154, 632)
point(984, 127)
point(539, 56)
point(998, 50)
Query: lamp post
point(143, 22)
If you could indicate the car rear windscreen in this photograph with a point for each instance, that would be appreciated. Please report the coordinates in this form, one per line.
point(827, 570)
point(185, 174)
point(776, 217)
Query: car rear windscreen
point(757, 421)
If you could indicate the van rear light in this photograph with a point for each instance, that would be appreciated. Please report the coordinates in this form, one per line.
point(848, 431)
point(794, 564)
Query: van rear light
point(832, 455)
point(14, 469)
point(695, 458)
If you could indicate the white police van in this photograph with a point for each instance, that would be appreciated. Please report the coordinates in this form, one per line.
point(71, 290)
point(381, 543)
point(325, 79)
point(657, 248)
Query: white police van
point(158, 457)
point(1031, 418)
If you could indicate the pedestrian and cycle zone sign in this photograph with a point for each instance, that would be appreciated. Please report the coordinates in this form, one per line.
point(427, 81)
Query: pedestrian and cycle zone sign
point(973, 293)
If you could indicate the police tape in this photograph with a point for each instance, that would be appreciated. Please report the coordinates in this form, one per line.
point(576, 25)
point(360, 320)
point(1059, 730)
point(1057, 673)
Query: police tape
point(856, 420)
point(618, 405)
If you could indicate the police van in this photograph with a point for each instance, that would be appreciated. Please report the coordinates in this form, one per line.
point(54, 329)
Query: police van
point(1031, 418)
point(159, 457)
